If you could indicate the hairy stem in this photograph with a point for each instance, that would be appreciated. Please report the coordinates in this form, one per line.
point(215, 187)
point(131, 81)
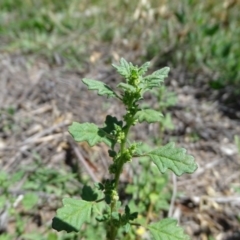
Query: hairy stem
point(112, 230)
point(122, 161)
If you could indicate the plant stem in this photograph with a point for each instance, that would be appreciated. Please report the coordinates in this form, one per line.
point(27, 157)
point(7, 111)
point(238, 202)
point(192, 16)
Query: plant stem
point(121, 163)
point(100, 200)
point(112, 230)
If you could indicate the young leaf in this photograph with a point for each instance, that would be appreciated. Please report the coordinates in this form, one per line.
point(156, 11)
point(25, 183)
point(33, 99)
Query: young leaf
point(148, 115)
point(110, 123)
point(72, 215)
point(167, 229)
point(124, 69)
point(166, 122)
point(126, 227)
point(88, 132)
point(156, 78)
point(170, 157)
point(161, 73)
point(126, 87)
point(143, 69)
point(102, 88)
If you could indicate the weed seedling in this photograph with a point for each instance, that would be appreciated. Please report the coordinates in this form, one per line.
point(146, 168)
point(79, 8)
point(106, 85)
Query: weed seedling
point(115, 215)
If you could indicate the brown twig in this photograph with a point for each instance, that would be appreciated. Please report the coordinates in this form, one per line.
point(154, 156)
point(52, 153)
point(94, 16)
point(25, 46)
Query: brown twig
point(45, 132)
point(82, 160)
point(174, 194)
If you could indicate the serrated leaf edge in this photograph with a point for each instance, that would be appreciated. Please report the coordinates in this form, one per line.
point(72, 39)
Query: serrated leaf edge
point(183, 150)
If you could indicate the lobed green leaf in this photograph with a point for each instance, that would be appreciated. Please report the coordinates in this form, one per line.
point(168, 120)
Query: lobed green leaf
point(72, 215)
point(148, 115)
point(143, 69)
point(167, 229)
point(102, 88)
point(124, 69)
point(166, 122)
point(173, 158)
point(88, 132)
point(156, 78)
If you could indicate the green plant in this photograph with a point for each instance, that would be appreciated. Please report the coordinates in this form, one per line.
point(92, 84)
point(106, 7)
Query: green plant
point(104, 201)
point(149, 193)
point(204, 40)
point(8, 202)
point(26, 191)
point(165, 99)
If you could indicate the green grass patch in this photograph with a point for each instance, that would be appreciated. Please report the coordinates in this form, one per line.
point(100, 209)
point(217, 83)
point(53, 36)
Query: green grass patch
point(202, 36)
